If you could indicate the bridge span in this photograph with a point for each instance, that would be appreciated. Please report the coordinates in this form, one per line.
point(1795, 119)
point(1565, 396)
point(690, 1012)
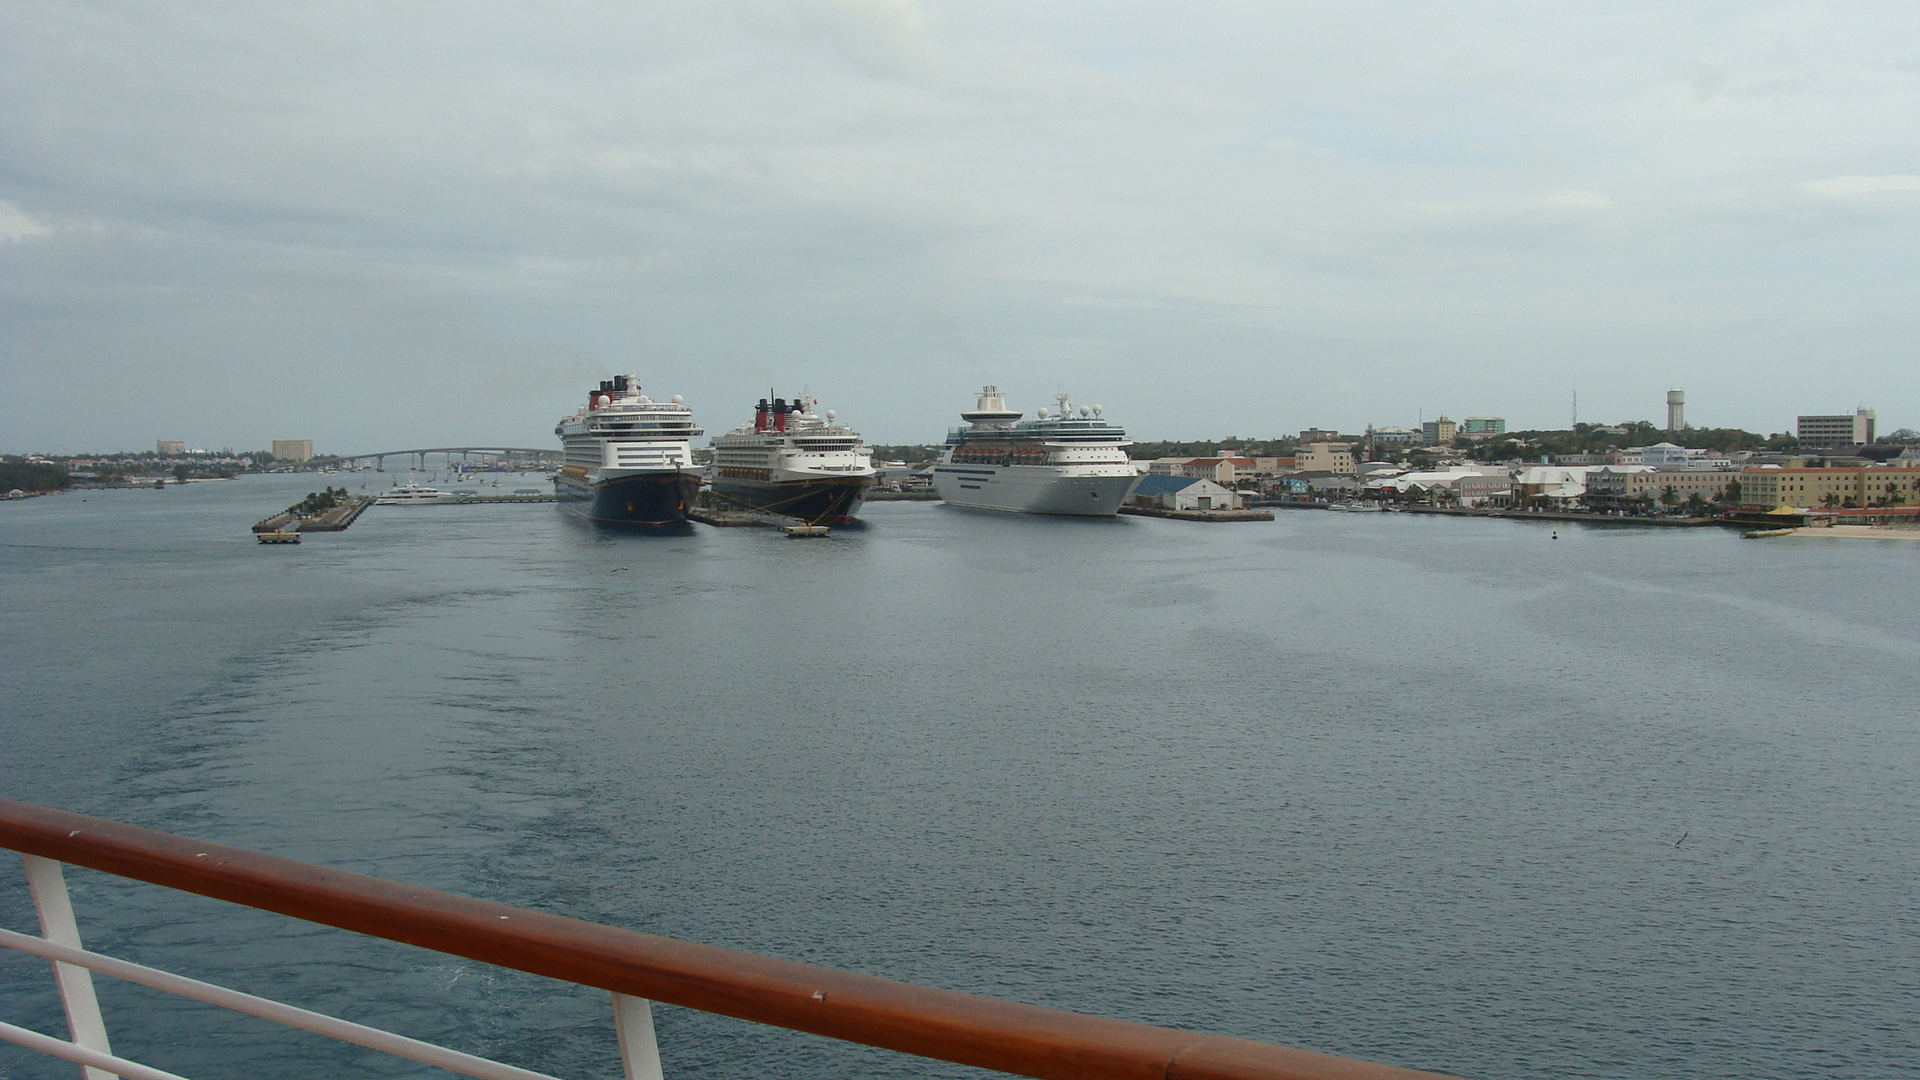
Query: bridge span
point(507, 457)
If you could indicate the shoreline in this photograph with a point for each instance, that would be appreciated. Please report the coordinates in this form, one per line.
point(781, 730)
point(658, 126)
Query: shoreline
point(1856, 532)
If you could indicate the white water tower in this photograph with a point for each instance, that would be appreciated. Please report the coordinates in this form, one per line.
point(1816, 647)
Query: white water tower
point(1676, 410)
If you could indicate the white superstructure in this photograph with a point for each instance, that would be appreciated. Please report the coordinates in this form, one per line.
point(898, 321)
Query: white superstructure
point(621, 430)
point(787, 443)
point(1069, 460)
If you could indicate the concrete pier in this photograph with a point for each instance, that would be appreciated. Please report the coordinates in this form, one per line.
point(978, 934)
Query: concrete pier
point(1198, 515)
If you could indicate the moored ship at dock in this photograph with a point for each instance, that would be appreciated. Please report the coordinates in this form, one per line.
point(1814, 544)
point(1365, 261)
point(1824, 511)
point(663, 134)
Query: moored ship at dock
point(627, 458)
point(1069, 460)
point(794, 462)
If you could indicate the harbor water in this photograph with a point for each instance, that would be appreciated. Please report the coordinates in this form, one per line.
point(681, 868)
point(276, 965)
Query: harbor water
point(1448, 793)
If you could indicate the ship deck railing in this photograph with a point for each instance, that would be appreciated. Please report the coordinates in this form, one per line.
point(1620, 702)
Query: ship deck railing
point(634, 968)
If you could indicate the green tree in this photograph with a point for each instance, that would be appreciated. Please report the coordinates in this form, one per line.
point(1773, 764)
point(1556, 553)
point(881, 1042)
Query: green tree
point(33, 476)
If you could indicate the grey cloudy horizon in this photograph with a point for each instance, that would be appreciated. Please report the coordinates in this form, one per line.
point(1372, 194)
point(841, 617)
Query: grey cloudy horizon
point(389, 225)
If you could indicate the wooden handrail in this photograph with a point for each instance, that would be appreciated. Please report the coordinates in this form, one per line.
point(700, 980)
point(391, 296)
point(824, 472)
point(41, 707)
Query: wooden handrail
point(1023, 1039)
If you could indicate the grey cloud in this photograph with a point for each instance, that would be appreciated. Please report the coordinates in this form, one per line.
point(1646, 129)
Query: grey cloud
point(408, 221)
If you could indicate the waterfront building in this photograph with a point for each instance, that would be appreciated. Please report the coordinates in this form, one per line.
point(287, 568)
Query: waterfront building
point(1183, 493)
point(1481, 483)
point(1768, 487)
point(1477, 428)
point(1611, 486)
point(1484, 490)
point(1325, 484)
point(1560, 483)
point(1394, 436)
point(1831, 431)
point(1325, 457)
point(293, 449)
point(169, 447)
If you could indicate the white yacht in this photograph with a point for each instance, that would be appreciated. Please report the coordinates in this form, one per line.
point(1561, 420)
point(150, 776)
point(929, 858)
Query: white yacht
point(411, 494)
point(794, 462)
point(627, 458)
point(1069, 460)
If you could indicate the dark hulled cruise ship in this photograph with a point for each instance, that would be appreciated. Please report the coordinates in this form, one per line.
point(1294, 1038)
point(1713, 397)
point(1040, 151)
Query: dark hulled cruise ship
point(627, 458)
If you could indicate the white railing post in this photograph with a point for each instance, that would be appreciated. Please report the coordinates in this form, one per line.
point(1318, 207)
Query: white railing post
point(639, 1053)
point(49, 888)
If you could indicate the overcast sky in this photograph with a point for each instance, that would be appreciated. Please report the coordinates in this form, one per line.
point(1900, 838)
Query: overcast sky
point(385, 225)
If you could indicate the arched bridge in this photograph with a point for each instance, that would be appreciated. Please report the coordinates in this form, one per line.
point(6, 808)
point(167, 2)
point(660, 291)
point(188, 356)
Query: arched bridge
point(510, 457)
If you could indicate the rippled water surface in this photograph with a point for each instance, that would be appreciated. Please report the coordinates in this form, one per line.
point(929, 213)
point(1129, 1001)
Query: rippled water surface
point(1446, 793)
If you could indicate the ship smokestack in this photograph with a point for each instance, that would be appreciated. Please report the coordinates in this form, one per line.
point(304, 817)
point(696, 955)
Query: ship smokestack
point(779, 414)
point(760, 415)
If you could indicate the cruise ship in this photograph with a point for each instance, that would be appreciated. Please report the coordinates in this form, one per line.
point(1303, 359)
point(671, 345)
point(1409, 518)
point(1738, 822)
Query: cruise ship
point(794, 462)
point(1067, 461)
point(627, 458)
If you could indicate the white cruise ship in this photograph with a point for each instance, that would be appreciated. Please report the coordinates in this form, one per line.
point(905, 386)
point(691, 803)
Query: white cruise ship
point(627, 458)
point(1067, 461)
point(794, 462)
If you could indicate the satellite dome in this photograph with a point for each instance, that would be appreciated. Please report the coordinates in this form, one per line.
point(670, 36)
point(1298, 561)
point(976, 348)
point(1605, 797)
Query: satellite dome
point(1085, 412)
point(678, 400)
point(830, 415)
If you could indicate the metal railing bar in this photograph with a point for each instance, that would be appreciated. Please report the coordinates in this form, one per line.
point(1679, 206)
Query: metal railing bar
point(425, 1053)
point(80, 1055)
point(47, 882)
point(986, 1032)
point(633, 1024)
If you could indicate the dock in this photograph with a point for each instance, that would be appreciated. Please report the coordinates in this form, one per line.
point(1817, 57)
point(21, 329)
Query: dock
point(277, 537)
point(1198, 515)
point(338, 518)
point(723, 519)
point(733, 517)
point(1584, 517)
point(334, 520)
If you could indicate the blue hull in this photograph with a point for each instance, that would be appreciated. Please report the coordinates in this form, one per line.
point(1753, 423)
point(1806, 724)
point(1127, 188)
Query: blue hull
point(643, 499)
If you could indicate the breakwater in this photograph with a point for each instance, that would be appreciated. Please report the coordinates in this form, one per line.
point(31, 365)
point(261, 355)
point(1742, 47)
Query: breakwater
point(334, 519)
